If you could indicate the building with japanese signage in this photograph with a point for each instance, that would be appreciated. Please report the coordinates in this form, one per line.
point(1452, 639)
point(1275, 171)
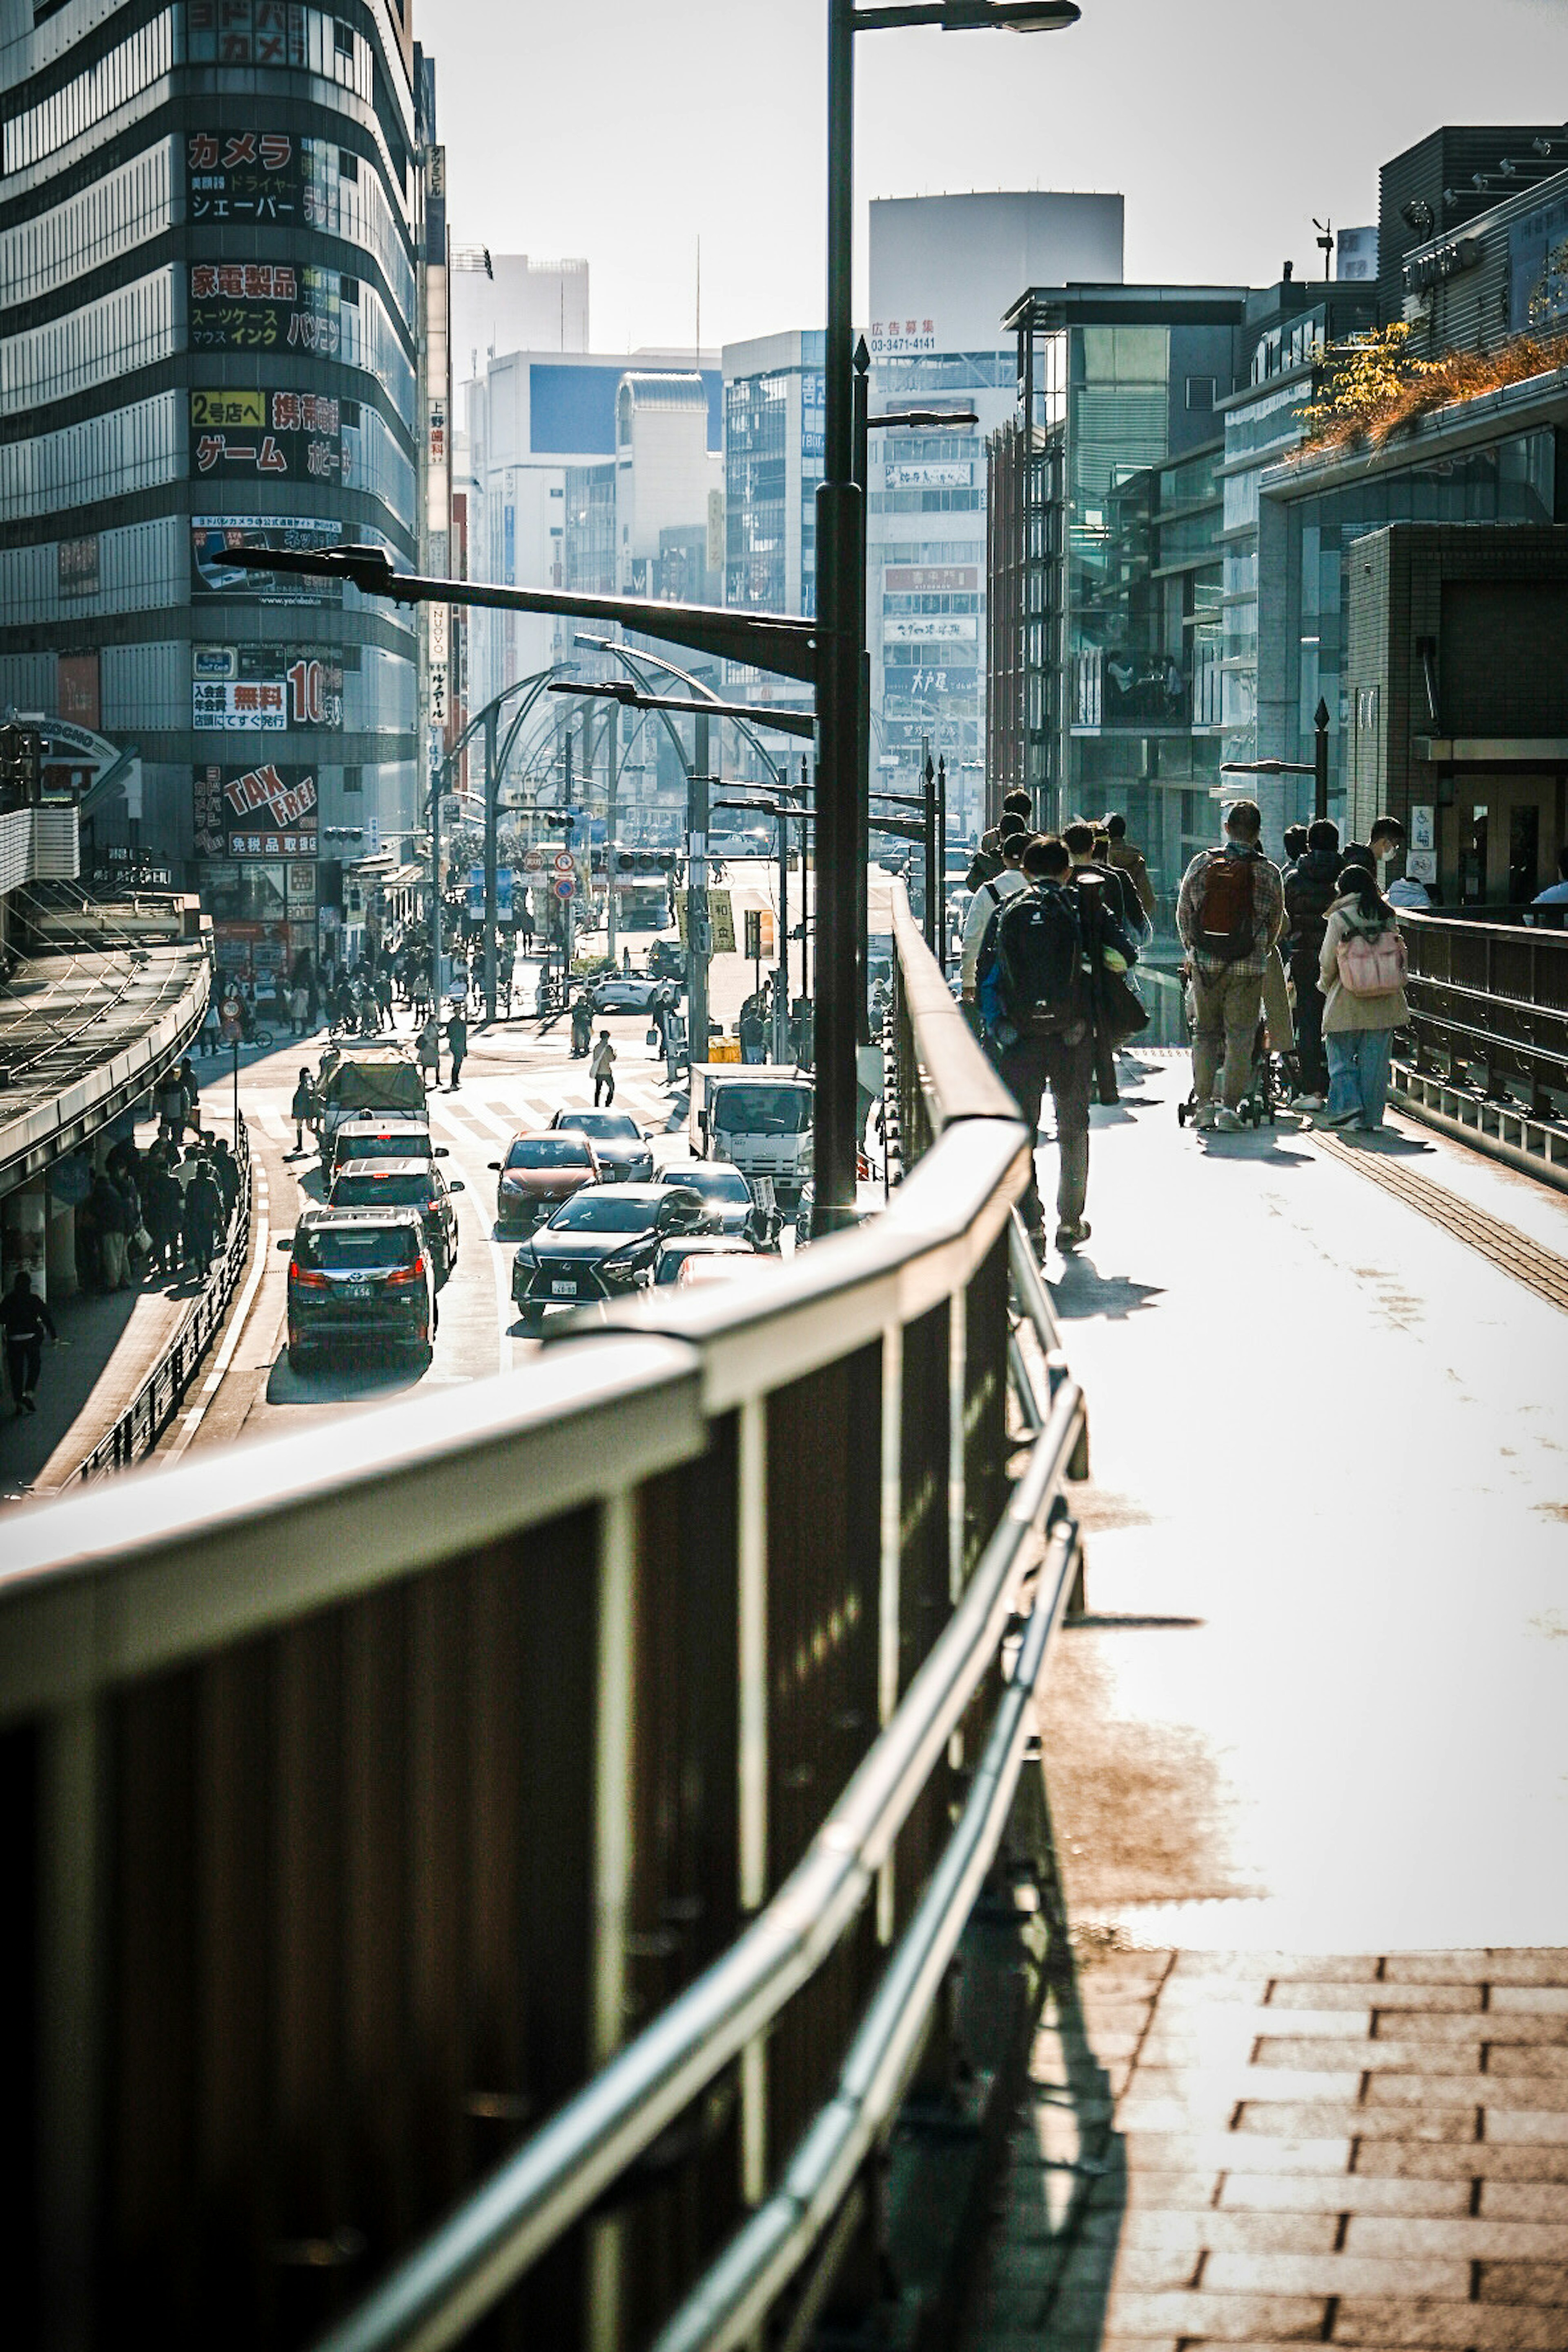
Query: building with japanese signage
point(209, 220)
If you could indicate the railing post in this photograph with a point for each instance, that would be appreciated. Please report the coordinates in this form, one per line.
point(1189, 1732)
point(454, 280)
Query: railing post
point(890, 1585)
point(751, 1715)
point(614, 1835)
point(70, 1952)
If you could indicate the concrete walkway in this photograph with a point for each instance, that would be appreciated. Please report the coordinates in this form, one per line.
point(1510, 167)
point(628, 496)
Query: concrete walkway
point(1320, 1709)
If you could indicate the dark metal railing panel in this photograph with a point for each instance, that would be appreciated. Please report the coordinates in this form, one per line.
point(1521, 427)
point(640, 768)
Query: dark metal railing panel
point(125, 1580)
point(1489, 1005)
point(351, 1933)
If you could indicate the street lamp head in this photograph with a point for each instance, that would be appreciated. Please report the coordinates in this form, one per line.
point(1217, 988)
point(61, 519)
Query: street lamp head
point(1015, 16)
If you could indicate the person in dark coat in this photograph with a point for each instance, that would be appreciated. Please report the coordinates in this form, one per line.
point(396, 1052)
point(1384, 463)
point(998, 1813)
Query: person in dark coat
point(203, 1215)
point(163, 1206)
point(26, 1321)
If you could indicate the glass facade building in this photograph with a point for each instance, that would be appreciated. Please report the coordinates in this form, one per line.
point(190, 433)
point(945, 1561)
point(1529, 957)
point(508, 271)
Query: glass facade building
point(207, 256)
point(1106, 690)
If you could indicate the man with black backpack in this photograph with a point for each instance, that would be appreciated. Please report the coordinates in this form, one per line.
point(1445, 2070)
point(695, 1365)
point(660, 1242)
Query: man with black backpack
point(1228, 914)
point(1036, 994)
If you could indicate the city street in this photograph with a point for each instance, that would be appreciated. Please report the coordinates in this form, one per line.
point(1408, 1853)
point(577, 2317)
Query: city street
point(516, 1075)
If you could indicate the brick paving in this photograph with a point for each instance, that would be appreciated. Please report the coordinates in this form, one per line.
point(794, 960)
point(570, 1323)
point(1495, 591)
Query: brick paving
point(1253, 2150)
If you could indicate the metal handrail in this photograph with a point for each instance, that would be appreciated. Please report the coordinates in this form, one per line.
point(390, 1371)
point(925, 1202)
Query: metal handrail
point(727, 2305)
point(534, 2198)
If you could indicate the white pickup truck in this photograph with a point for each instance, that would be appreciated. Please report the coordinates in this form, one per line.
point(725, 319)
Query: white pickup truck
point(757, 1116)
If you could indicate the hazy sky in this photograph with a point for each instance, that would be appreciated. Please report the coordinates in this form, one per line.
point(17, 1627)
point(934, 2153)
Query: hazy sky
point(625, 130)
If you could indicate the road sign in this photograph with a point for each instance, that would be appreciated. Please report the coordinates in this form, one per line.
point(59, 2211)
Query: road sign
point(229, 1021)
point(565, 886)
point(533, 861)
point(564, 862)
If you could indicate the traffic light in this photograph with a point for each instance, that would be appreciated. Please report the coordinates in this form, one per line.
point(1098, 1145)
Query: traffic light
point(753, 934)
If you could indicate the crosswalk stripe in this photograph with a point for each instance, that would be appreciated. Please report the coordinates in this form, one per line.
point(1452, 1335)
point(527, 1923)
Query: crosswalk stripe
point(482, 1118)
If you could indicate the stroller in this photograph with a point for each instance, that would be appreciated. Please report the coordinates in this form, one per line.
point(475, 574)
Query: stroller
point(1268, 1079)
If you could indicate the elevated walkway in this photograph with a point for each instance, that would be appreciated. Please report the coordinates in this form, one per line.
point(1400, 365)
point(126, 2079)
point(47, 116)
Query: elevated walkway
point(1306, 2075)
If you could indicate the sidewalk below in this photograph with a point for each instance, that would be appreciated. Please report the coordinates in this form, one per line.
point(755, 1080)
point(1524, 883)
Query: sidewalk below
point(1319, 1709)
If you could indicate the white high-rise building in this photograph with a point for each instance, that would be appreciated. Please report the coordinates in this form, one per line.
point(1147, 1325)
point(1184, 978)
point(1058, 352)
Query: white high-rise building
point(516, 304)
point(531, 416)
point(943, 270)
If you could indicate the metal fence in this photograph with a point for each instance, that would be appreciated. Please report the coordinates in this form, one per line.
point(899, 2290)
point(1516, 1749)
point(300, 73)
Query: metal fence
point(150, 1411)
point(595, 1764)
point(1490, 1002)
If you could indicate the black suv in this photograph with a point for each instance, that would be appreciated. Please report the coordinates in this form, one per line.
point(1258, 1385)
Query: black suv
point(601, 1244)
point(360, 1277)
point(391, 1183)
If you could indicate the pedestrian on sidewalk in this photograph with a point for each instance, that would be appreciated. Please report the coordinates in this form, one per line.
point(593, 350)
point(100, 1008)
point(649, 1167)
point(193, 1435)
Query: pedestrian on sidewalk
point(108, 1205)
point(985, 907)
point(1035, 992)
point(226, 1168)
point(1229, 912)
point(1128, 860)
point(26, 1321)
point(1310, 889)
point(169, 1102)
point(582, 1028)
point(602, 1069)
point(457, 1044)
point(1361, 974)
point(193, 1098)
point(302, 1111)
point(986, 863)
point(204, 1212)
point(160, 1205)
point(430, 1050)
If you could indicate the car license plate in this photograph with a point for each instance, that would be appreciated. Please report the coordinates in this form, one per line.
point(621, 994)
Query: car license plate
point(356, 1290)
point(564, 1290)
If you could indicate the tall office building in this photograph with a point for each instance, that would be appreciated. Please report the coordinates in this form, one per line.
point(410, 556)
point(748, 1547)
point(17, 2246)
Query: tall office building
point(208, 221)
point(943, 270)
point(531, 415)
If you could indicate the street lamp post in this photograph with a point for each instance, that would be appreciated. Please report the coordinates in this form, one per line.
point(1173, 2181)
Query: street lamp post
point(1318, 768)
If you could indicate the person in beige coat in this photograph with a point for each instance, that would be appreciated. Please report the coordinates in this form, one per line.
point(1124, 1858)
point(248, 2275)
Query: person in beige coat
point(1361, 943)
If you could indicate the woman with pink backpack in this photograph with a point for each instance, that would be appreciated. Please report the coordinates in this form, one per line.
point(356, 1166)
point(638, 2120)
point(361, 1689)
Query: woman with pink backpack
point(1361, 975)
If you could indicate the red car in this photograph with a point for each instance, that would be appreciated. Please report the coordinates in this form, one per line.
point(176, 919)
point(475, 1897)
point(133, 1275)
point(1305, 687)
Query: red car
point(538, 1171)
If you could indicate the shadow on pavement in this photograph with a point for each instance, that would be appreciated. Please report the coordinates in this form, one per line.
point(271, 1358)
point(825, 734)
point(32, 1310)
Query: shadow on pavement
point(341, 1380)
point(1080, 1290)
point(1046, 2272)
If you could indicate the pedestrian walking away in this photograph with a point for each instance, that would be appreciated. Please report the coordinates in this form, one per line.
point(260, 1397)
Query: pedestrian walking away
point(1128, 860)
point(302, 1110)
point(984, 908)
point(204, 1213)
point(26, 1322)
point(1310, 887)
point(456, 1044)
point(430, 1050)
point(1035, 997)
point(1361, 974)
point(582, 1028)
point(1229, 912)
point(108, 1214)
point(602, 1069)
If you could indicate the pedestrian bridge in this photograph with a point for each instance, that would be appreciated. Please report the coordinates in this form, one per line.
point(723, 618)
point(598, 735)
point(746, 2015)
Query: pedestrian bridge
point(573, 1869)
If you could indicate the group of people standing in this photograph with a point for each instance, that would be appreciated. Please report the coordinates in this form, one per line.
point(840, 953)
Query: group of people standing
point(1235, 911)
point(1055, 924)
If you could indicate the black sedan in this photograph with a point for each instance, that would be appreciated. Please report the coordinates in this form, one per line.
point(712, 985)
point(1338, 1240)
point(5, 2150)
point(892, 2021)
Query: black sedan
point(726, 1203)
point(621, 1148)
point(601, 1244)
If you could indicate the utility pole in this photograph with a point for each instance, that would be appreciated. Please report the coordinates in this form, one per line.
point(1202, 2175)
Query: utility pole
point(492, 823)
point(437, 779)
point(861, 427)
point(699, 938)
point(928, 786)
point(840, 612)
point(781, 987)
point(569, 927)
point(941, 861)
point(612, 732)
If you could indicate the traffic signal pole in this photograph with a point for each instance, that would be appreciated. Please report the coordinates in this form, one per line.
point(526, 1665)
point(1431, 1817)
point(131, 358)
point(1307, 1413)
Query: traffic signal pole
point(699, 936)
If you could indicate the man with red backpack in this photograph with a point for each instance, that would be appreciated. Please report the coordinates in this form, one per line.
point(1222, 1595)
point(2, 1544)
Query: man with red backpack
point(1036, 997)
point(1229, 914)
